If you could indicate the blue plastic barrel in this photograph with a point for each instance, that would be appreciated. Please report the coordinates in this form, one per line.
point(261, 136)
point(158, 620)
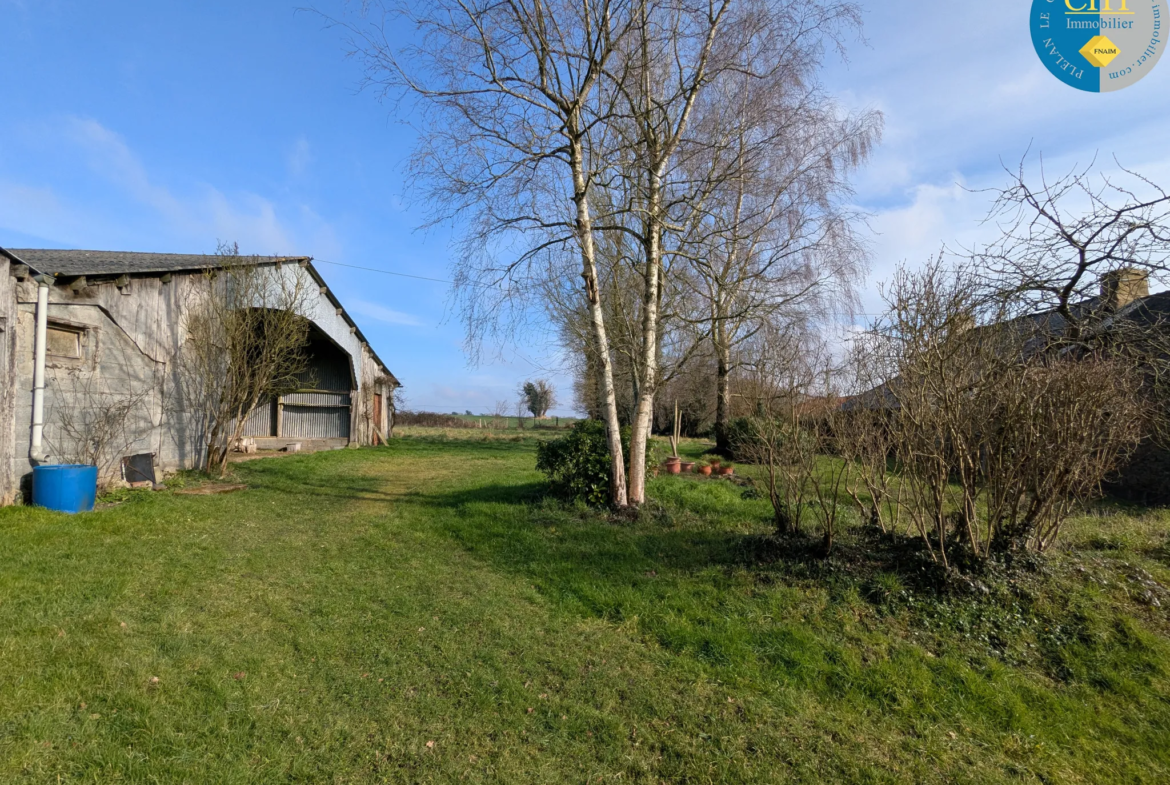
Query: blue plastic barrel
point(65, 487)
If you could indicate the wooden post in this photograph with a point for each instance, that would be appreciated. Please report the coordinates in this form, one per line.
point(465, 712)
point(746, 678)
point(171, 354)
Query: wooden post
point(279, 416)
point(377, 421)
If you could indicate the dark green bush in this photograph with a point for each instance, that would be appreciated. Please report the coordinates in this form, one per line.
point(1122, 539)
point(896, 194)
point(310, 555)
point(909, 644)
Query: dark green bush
point(577, 464)
point(740, 434)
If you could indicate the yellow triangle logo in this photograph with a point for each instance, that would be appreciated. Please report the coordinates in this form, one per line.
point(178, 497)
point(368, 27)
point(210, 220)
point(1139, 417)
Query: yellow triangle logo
point(1100, 51)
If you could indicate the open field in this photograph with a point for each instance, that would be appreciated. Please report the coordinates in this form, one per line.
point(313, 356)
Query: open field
point(486, 421)
point(418, 613)
point(512, 423)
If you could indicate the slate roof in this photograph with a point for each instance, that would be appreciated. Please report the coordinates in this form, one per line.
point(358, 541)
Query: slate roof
point(54, 262)
point(1150, 311)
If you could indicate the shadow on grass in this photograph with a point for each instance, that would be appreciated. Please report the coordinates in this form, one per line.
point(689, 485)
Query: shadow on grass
point(308, 480)
point(520, 495)
point(516, 528)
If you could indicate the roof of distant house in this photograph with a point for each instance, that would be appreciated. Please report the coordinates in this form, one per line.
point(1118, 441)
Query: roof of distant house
point(1146, 311)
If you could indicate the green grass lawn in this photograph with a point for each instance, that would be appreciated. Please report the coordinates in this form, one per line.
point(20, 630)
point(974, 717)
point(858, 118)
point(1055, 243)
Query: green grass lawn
point(417, 613)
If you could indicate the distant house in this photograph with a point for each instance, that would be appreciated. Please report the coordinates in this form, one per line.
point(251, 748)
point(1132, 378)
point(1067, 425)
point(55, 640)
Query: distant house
point(113, 326)
point(1123, 309)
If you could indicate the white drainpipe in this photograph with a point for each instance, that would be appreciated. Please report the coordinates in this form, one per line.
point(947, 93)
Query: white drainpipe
point(36, 451)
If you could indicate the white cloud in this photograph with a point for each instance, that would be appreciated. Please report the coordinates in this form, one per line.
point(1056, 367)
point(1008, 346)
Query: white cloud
point(380, 313)
point(136, 210)
point(936, 215)
point(952, 211)
point(110, 157)
point(251, 220)
point(299, 157)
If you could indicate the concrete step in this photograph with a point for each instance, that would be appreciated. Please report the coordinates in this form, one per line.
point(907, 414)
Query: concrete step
point(307, 445)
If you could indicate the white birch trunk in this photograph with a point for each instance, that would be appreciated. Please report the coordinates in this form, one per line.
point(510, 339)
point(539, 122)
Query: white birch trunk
point(617, 491)
point(644, 413)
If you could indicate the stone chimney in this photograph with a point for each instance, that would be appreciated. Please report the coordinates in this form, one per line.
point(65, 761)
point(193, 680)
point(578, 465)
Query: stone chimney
point(1121, 287)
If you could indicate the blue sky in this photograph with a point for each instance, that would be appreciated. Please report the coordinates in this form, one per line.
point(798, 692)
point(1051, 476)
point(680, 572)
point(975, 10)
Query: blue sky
point(164, 126)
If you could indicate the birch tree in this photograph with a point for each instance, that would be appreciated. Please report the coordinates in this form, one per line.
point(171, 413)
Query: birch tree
point(513, 134)
point(680, 57)
point(775, 243)
point(546, 124)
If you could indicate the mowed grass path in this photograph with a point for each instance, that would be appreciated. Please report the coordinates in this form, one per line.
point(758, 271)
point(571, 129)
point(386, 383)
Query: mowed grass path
point(415, 613)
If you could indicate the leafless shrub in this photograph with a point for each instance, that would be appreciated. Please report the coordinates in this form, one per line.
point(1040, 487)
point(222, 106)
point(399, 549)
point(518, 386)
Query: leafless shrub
point(863, 438)
point(246, 335)
point(500, 415)
point(991, 428)
point(1064, 424)
point(100, 423)
point(790, 436)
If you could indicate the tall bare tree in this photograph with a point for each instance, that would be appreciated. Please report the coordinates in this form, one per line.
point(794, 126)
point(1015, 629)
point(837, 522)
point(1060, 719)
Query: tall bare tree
point(774, 243)
point(549, 124)
point(1083, 249)
point(1060, 237)
point(683, 56)
point(514, 136)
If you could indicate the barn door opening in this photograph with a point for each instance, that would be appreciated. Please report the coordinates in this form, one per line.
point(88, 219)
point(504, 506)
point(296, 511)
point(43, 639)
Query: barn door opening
point(320, 408)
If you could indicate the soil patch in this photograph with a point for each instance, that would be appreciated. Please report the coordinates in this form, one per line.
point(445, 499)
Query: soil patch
point(212, 488)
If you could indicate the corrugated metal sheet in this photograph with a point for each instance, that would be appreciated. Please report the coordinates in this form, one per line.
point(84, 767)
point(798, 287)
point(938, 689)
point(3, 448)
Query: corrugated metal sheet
point(317, 399)
point(321, 410)
point(328, 368)
point(314, 422)
point(262, 420)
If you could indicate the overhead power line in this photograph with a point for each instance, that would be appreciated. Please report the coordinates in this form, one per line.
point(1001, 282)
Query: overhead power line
point(385, 272)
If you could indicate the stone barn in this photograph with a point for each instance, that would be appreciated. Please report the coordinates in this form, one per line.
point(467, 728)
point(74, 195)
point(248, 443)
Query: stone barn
point(89, 342)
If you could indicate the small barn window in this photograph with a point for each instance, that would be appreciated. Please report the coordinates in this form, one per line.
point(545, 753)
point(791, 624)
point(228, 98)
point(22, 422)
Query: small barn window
point(64, 341)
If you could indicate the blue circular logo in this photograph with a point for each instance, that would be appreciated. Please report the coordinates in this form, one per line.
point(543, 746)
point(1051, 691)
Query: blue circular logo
point(1099, 45)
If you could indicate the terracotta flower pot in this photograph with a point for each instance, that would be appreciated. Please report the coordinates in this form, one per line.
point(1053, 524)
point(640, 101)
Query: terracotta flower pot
point(704, 470)
point(714, 462)
point(673, 465)
point(726, 471)
point(687, 466)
